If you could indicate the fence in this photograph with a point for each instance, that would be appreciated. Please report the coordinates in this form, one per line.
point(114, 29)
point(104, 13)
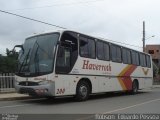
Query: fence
point(156, 80)
point(7, 83)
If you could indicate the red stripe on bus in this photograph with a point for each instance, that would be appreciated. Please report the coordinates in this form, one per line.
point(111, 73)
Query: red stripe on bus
point(126, 79)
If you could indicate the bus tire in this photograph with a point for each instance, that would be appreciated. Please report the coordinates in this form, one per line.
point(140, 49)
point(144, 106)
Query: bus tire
point(134, 87)
point(82, 91)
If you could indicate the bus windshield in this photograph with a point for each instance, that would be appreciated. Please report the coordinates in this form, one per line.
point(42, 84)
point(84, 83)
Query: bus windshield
point(37, 58)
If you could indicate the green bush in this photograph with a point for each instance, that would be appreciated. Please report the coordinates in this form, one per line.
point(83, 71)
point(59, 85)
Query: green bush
point(8, 63)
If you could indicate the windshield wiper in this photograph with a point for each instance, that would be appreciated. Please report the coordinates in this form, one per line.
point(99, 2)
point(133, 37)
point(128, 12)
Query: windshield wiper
point(24, 63)
point(36, 59)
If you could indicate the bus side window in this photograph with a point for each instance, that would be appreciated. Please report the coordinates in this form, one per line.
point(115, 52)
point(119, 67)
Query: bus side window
point(148, 61)
point(126, 55)
point(69, 42)
point(84, 47)
point(135, 57)
point(106, 51)
point(102, 50)
point(87, 47)
point(142, 60)
point(63, 60)
point(116, 53)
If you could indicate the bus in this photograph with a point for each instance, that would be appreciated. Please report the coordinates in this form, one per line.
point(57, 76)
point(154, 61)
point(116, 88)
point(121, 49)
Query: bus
point(66, 62)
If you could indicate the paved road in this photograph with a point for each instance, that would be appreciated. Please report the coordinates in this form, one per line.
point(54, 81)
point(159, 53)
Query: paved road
point(147, 101)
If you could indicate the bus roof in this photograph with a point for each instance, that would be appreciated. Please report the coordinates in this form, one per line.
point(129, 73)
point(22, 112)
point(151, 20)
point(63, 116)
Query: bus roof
point(98, 38)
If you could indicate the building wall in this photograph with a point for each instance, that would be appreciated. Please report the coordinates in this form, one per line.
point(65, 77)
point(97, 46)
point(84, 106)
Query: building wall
point(154, 51)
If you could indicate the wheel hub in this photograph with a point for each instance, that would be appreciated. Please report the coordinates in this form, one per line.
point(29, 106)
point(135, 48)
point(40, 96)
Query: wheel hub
point(83, 91)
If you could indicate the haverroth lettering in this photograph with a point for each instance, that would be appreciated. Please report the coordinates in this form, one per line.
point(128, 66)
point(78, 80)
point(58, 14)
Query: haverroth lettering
point(90, 66)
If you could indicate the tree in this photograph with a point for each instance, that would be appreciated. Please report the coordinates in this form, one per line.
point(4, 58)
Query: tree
point(8, 63)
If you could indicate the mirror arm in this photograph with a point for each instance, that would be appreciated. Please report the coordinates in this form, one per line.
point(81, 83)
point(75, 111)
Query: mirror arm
point(20, 46)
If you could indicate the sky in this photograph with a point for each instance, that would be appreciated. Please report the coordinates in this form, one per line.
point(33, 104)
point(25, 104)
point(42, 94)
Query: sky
point(118, 20)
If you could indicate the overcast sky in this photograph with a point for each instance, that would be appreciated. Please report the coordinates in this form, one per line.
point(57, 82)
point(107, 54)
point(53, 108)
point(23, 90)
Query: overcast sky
point(118, 20)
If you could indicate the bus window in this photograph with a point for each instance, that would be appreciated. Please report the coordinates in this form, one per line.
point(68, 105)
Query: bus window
point(102, 51)
point(135, 57)
point(142, 60)
point(87, 47)
point(116, 53)
point(148, 61)
point(63, 60)
point(106, 51)
point(126, 55)
point(67, 51)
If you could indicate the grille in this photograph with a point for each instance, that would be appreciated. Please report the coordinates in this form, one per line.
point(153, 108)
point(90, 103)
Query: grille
point(28, 83)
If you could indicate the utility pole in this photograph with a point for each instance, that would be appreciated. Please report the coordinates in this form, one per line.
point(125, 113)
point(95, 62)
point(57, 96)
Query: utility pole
point(143, 39)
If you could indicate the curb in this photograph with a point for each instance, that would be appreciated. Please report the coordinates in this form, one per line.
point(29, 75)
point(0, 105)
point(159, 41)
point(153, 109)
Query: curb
point(156, 86)
point(16, 98)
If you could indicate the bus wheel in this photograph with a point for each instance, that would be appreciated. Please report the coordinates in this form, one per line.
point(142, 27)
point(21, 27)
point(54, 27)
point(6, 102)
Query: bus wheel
point(82, 91)
point(134, 87)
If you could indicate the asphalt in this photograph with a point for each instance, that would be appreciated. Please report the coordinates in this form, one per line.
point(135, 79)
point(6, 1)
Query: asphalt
point(17, 96)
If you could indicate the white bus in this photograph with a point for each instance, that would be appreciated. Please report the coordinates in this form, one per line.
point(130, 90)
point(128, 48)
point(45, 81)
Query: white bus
point(70, 63)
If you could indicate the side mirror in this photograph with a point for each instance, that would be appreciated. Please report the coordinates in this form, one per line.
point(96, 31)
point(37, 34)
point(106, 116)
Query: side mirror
point(20, 46)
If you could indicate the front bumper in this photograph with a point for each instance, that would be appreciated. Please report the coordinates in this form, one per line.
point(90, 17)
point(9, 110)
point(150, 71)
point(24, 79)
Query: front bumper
point(39, 90)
